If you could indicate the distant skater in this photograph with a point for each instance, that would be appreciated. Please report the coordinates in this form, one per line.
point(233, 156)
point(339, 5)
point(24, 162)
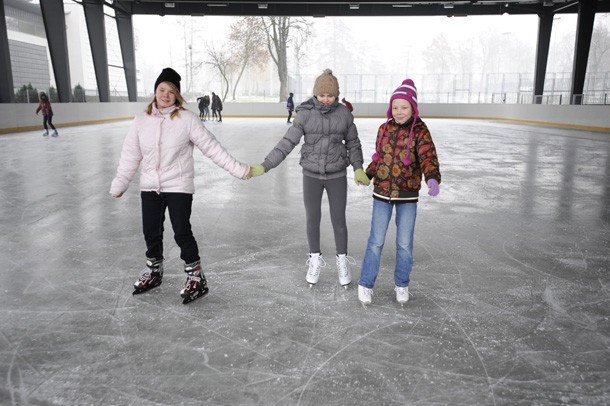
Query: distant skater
point(213, 107)
point(331, 144)
point(289, 107)
point(347, 104)
point(160, 142)
point(206, 107)
point(47, 115)
point(218, 103)
point(200, 105)
point(404, 150)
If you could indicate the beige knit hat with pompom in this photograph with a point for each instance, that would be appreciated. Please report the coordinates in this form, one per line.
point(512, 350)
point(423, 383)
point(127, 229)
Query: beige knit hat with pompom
point(326, 83)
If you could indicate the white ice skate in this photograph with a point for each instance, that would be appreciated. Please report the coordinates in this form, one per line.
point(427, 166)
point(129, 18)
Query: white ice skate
point(315, 262)
point(345, 276)
point(365, 295)
point(402, 295)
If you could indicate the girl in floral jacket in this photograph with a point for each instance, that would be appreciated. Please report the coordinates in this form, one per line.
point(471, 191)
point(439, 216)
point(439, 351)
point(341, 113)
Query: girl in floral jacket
point(404, 151)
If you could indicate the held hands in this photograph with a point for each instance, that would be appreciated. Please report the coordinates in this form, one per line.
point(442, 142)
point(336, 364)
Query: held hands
point(433, 188)
point(255, 170)
point(360, 177)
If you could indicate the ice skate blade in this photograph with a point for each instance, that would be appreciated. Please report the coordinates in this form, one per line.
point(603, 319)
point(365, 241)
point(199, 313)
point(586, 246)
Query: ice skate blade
point(365, 304)
point(196, 295)
point(311, 285)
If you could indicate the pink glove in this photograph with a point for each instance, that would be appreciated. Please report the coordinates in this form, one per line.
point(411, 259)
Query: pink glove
point(433, 188)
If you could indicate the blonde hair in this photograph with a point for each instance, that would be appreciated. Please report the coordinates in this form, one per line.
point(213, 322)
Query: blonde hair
point(179, 101)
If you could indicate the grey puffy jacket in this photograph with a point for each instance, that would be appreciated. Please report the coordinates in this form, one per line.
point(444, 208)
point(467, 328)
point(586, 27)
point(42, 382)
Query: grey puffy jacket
point(331, 141)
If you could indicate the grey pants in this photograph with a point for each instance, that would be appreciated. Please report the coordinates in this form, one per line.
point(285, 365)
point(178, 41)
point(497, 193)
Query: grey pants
point(336, 190)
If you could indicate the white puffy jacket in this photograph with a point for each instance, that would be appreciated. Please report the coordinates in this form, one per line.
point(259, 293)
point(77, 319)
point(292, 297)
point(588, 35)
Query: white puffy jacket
point(163, 147)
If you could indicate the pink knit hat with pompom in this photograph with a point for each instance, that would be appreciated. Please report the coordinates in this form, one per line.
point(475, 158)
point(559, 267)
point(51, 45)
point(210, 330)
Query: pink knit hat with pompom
point(408, 92)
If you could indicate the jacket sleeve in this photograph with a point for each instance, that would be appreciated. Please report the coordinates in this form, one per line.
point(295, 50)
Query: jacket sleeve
point(213, 149)
point(291, 139)
point(426, 152)
point(352, 142)
point(371, 170)
point(39, 107)
point(131, 156)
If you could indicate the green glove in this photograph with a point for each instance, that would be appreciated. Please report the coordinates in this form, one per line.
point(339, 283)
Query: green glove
point(257, 170)
point(360, 177)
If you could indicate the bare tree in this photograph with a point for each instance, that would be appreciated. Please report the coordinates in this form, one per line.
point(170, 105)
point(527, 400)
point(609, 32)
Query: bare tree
point(599, 54)
point(277, 30)
point(439, 55)
point(222, 63)
point(246, 42)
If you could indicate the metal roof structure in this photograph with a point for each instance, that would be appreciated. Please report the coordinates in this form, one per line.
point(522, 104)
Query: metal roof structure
point(54, 21)
point(354, 8)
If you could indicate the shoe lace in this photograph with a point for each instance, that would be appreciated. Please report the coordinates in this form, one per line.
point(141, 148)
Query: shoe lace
point(343, 265)
point(401, 291)
point(145, 276)
point(192, 279)
point(315, 265)
point(368, 293)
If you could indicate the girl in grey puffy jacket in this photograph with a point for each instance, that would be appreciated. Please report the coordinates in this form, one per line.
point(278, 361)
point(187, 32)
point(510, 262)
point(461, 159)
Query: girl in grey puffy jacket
point(331, 144)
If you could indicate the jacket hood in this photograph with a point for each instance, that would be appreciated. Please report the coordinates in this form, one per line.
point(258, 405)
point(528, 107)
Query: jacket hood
point(313, 103)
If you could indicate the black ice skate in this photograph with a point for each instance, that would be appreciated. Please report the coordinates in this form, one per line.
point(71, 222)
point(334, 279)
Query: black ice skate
point(195, 285)
point(151, 278)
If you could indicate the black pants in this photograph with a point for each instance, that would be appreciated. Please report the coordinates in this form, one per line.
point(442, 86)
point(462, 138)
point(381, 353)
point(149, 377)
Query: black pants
point(289, 115)
point(47, 119)
point(153, 216)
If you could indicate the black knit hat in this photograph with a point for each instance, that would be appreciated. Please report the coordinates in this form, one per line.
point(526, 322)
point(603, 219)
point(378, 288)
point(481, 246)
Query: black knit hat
point(168, 75)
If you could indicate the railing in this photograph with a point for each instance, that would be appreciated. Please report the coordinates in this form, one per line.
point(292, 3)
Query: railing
point(432, 88)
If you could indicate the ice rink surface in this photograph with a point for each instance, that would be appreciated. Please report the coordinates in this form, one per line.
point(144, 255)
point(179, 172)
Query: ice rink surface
point(510, 302)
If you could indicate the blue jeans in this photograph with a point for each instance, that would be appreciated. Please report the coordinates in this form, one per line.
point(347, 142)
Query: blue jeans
point(405, 227)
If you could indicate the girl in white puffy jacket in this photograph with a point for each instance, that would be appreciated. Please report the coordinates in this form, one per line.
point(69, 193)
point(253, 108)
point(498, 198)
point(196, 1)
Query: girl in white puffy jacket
point(160, 142)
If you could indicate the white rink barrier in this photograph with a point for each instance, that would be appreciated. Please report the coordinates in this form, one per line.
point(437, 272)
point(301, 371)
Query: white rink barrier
point(21, 117)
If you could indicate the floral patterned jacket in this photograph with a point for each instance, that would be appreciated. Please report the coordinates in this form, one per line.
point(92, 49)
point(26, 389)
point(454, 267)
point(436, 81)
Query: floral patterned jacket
point(393, 180)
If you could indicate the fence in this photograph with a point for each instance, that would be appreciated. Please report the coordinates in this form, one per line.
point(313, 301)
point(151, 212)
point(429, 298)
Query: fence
point(511, 88)
point(515, 88)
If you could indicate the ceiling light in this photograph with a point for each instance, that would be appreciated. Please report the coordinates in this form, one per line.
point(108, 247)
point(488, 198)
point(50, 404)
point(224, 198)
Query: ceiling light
point(448, 5)
point(262, 6)
point(401, 5)
point(170, 5)
point(354, 6)
point(217, 4)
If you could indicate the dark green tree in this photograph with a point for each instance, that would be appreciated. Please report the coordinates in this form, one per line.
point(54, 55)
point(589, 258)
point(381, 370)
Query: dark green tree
point(79, 94)
point(53, 96)
point(26, 94)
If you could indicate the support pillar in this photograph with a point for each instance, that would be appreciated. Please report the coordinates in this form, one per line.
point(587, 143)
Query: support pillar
point(94, 15)
point(545, 26)
point(7, 91)
point(125, 29)
point(54, 20)
point(584, 32)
